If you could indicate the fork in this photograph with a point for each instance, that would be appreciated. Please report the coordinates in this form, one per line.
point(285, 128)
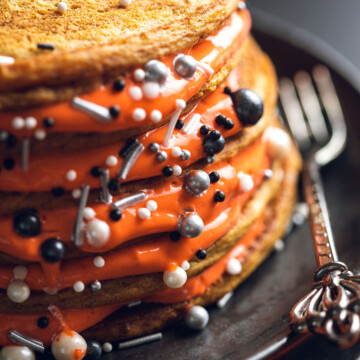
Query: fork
point(332, 307)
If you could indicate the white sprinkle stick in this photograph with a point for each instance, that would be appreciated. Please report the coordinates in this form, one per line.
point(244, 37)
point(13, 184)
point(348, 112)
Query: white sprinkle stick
point(140, 341)
point(98, 112)
point(77, 239)
point(206, 68)
point(25, 151)
point(105, 196)
point(6, 60)
point(129, 161)
point(180, 106)
point(21, 339)
point(191, 124)
point(130, 200)
point(224, 300)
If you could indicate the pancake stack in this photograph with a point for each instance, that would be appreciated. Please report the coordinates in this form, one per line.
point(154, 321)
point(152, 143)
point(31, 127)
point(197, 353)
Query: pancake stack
point(144, 173)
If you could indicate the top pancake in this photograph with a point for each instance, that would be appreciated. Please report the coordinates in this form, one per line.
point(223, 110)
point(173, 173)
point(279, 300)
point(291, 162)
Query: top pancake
point(97, 39)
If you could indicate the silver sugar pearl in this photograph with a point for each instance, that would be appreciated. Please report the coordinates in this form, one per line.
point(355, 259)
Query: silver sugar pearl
point(191, 226)
point(156, 71)
point(185, 155)
point(197, 317)
point(197, 181)
point(185, 66)
point(154, 147)
point(268, 173)
point(161, 156)
point(3, 135)
point(95, 285)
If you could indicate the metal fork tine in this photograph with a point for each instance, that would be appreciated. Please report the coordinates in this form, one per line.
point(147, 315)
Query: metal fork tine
point(293, 113)
point(311, 106)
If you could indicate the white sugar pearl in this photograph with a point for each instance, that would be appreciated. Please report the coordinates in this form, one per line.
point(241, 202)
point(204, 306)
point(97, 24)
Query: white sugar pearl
point(97, 233)
point(88, 213)
point(125, 2)
point(279, 245)
point(144, 213)
point(107, 347)
point(278, 142)
point(62, 7)
point(197, 317)
point(111, 160)
point(176, 151)
point(30, 122)
point(20, 272)
point(139, 75)
point(139, 114)
point(6, 60)
point(18, 123)
point(99, 261)
point(177, 170)
point(180, 104)
point(151, 205)
point(68, 345)
point(185, 265)
point(76, 193)
point(40, 134)
point(71, 175)
point(246, 183)
point(233, 267)
point(176, 278)
point(16, 353)
point(79, 286)
point(135, 93)
point(156, 116)
point(151, 90)
point(18, 291)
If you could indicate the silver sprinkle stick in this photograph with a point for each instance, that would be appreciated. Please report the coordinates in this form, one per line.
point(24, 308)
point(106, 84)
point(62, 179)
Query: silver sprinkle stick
point(21, 339)
point(134, 303)
point(206, 68)
point(77, 239)
point(191, 124)
point(129, 161)
point(25, 151)
point(140, 341)
point(224, 300)
point(105, 196)
point(129, 200)
point(98, 112)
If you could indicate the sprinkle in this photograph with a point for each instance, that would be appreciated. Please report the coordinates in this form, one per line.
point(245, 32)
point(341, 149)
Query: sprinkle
point(135, 93)
point(167, 170)
point(129, 161)
point(3, 135)
point(98, 112)
point(214, 177)
point(161, 156)
point(139, 114)
point(119, 85)
point(62, 7)
point(71, 175)
point(154, 147)
point(241, 5)
point(176, 151)
point(156, 116)
point(233, 267)
point(134, 303)
point(175, 236)
point(221, 303)
point(130, 200)
point(18, 123)
point(58, 191)
point(20, 339)
point(279, 245)
point(107, 347)
point(139, 75)
point(185, 265)
point(144, 213)
point(191, 124)
point(175, 279)
point(179, 124)
point(6, 60)
point(115, 214)
point(111, 160)
point(268, 173)
point(30, 122)
point(201, 254)
point(246, 182)
point(228, 124)
point(89, 213)
point(204, 130)
point(76, 193)
point(48, 122)
point(206, 68)
point(42, 46)
point(151, 90)
point(114, 111)
point(140, 341)
point(114, 185)
point(219, 196)
point(20, 272)
point(186, 154)
point(177, 170)
point(9, 163)
point(76, 238)
point(125, 2)
point(180, 106)
point(151, 205)
point(130, 145)
point(40, 134)
point(220, 119)
point(95, 285)
point(79, 286)
point(105, 195)
point(25, 152)
point(99, 261)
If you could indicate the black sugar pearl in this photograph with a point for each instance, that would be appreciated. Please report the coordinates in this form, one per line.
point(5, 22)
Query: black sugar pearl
point(220, 119)
point(96, 171)
point(129, 147)
point(212, 146)
point(228, 124)
point(175, 236)
point(119, 85)
point(93, 351)
point(114, 185)
point(48, 122)
point(210, 159)
point(115, 214)
point(219, 196)
point(41, 46)
point(179, 124)
point(204, 130)
point(52, 250)
point(167, 170)
point(27, 223)
point(227, 90)
point(58, 191)
point(201, 254)
point(11, 141)
point(114, 111)
point(214, 176)
point(43, 322)
point(9, 163)
point(215, 135)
